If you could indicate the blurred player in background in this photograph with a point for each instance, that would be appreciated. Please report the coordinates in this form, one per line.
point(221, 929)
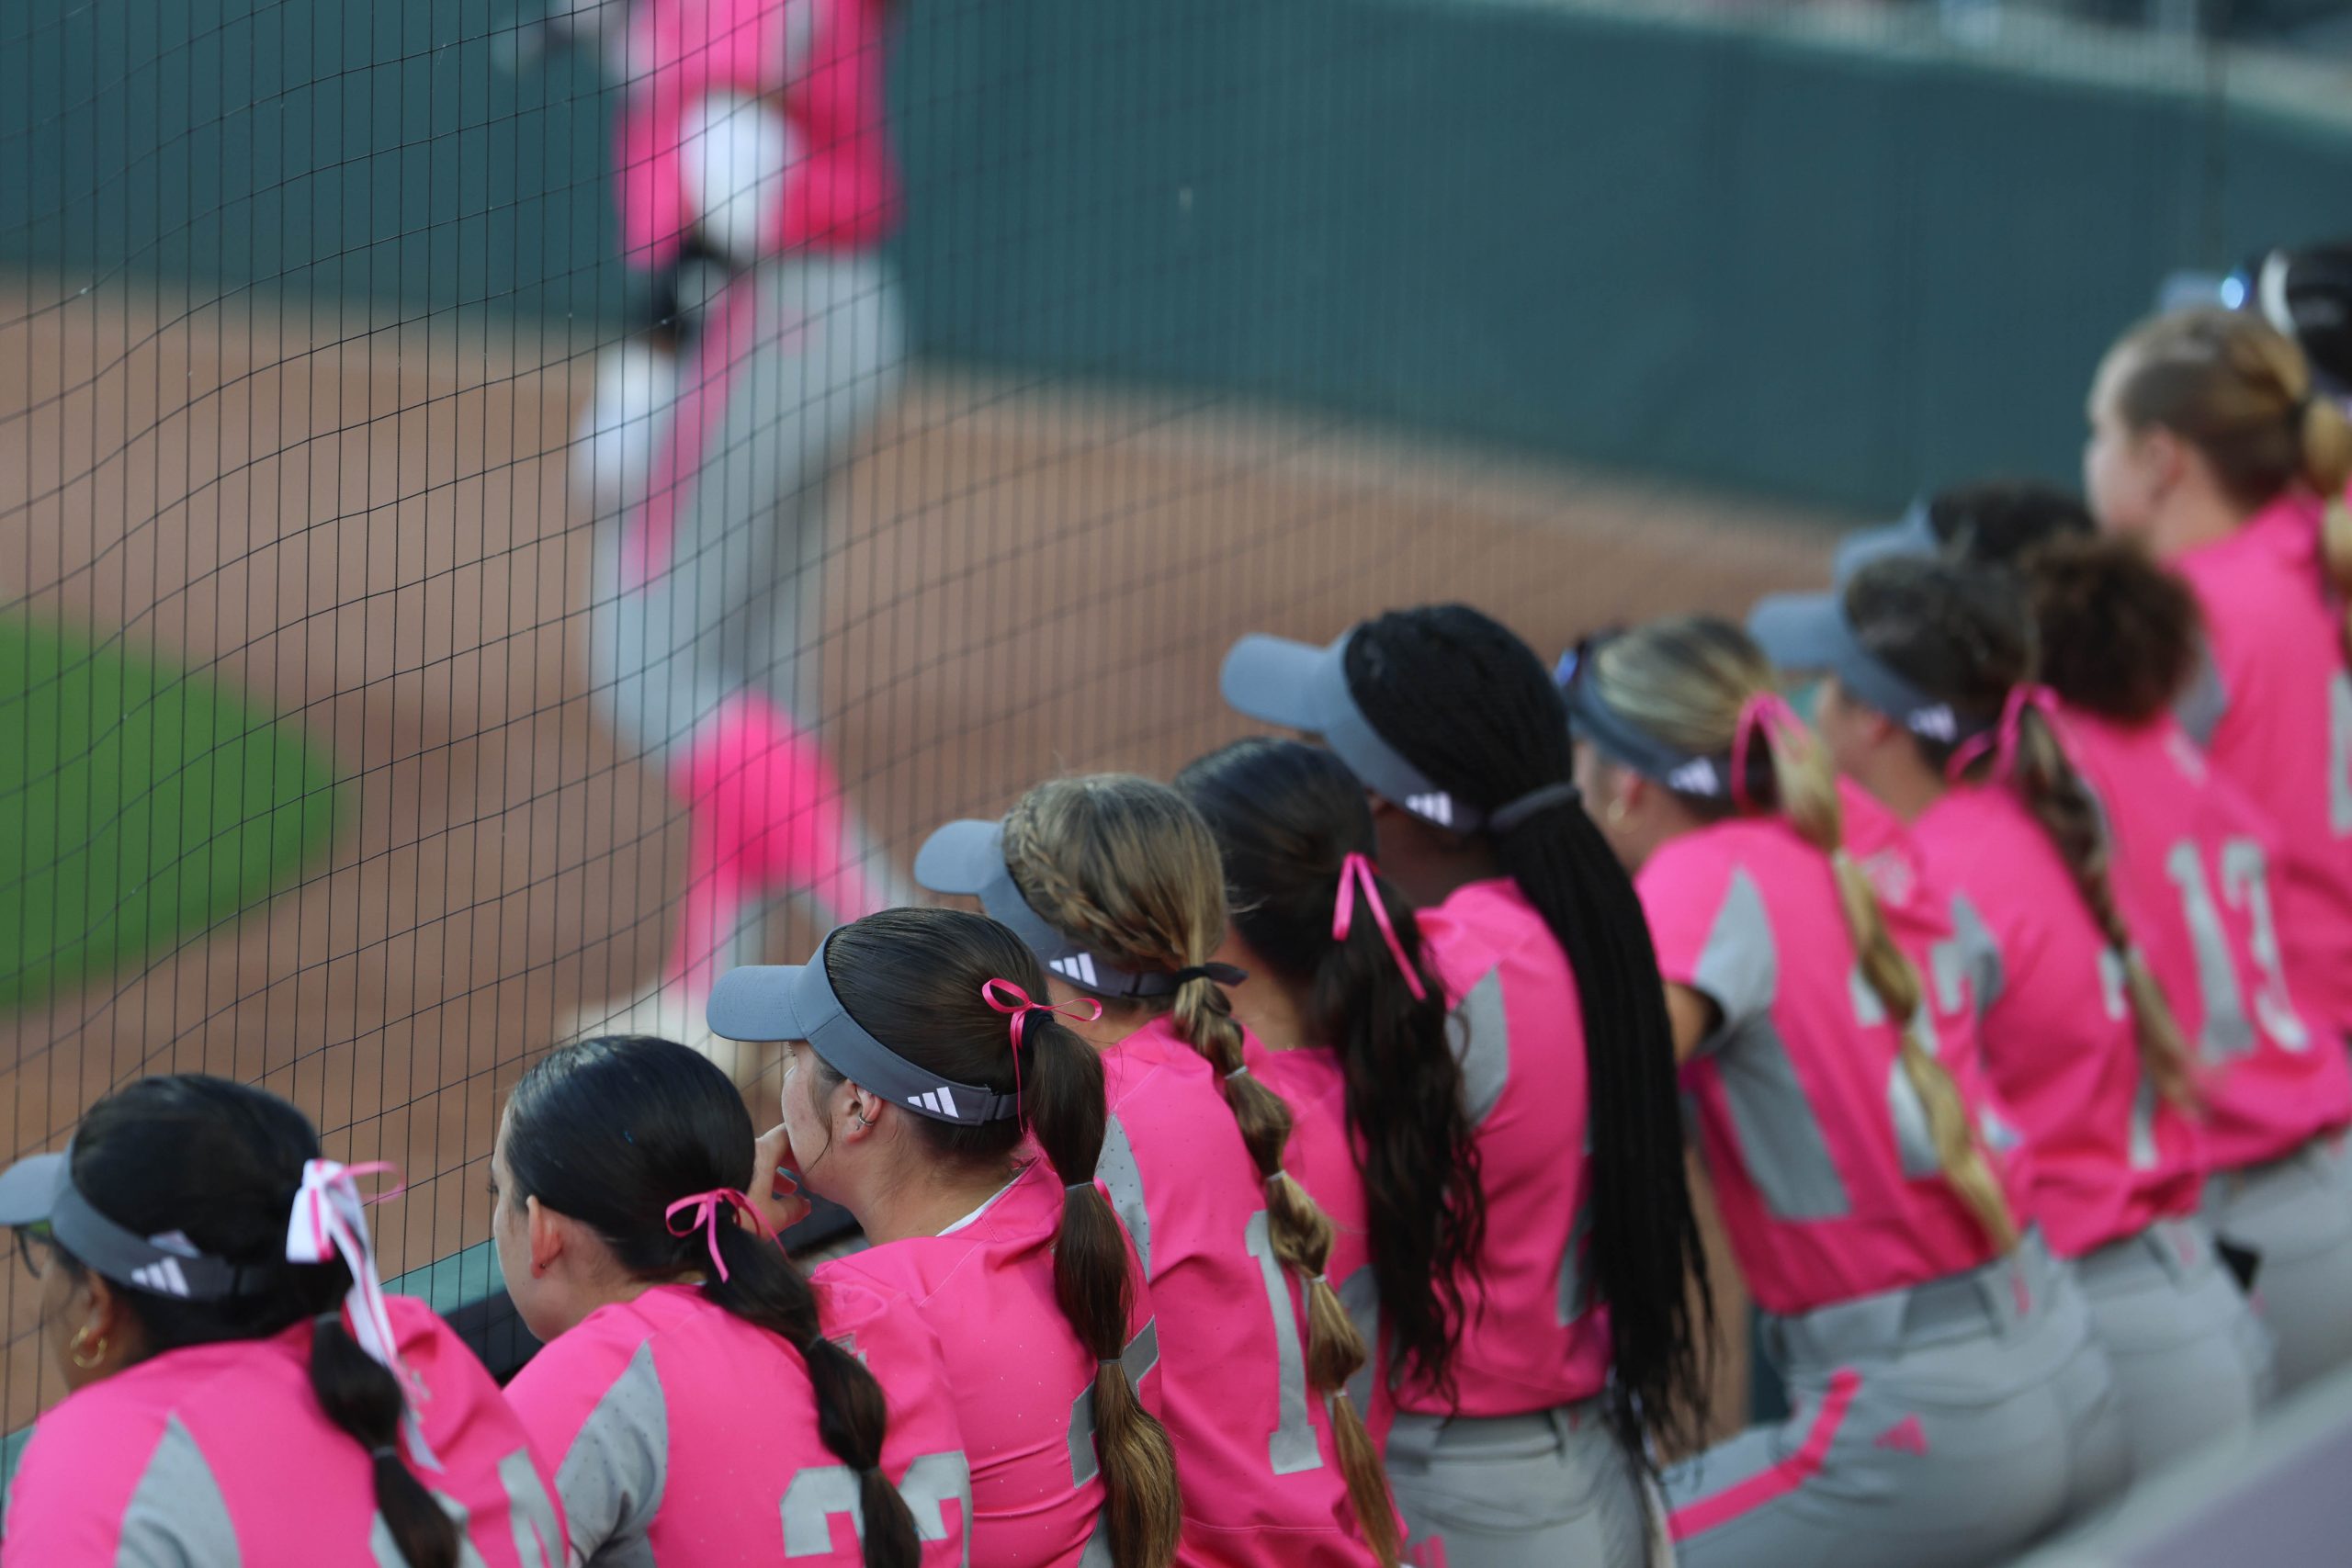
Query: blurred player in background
point(702, 1402)
point(2121, 646)
point(1579, 1335)
point(756, 181)
point(1949, 1402)
point(2211, 442)
point(1114, 883)
point(240, 1388)
point(925, 1075)
point(1932, 705)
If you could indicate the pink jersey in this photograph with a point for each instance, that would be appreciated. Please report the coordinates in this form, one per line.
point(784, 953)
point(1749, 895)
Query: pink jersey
point(682, 1434)
point(2192, 863)
point(1820, 1150)
point(824, 58)
point(1531, 1338)
point(1322, 1159)
point(1023, 1384)
point(2283, 733)
point(220, 1454)
point(1254, 1455)
point(2109, 1158)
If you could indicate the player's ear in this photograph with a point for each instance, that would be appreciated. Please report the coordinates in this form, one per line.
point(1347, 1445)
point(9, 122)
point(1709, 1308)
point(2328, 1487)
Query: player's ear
point(548, 1233)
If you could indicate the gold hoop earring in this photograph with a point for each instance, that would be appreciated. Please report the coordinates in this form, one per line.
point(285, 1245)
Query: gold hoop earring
point(80, 1347)
point(1615, 815)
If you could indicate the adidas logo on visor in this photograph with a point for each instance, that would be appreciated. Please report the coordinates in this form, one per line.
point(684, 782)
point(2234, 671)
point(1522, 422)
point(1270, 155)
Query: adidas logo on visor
point(1696, 776)
point(1937, 723)
point(938, 1101)
point(163, 1278)
point(1437, 809)
point(1077, 966)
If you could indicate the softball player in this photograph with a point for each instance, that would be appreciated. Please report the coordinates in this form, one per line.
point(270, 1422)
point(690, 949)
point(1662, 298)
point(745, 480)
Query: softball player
point(926, 1071)
point(753, 131)
point(1350, 1029)
point(241, 1389)
point(2210, 441)
point(1577, 1338)
point(1950, 1403)
point(704, 1403)
point(1115, 884)
point(1932, 705)
point(2120, 645)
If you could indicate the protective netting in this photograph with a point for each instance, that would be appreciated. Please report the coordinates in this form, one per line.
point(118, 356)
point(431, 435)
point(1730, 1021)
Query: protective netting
point(353, 741)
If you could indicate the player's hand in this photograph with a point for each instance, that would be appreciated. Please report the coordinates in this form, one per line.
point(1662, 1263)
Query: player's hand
point(775, 1185)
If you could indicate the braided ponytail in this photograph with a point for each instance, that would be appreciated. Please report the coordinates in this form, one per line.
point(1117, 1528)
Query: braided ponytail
point(916, 979)
point(2045, 780)
point(1471, 707)
point(689, 1132)
point(1123, 865)
point(1287, 817)
point(1807, 793)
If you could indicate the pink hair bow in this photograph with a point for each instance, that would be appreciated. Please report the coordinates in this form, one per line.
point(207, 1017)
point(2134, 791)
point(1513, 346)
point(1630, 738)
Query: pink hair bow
point(330, 1220)
point(2002, 740)
point(1017, 1005)
point(1767, 713)
point(1356, 870)
point(712, 1208)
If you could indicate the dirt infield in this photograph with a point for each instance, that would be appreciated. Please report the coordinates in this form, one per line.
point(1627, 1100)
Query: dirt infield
point(369, 528)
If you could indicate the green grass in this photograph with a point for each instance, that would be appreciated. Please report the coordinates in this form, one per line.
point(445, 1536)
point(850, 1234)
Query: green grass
point(140, 804)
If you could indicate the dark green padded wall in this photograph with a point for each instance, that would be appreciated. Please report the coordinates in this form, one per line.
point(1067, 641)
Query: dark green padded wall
point(1745, 254)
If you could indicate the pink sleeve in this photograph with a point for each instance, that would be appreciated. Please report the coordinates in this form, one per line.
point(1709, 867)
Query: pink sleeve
point(1680, 892)
point(75, 1480)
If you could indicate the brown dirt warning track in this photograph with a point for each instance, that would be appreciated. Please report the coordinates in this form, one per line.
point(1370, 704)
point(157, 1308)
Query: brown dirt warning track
point(368, 525)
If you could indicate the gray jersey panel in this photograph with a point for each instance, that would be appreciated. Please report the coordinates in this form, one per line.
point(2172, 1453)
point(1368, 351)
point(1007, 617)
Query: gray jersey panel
point(613, 1476)
point(177, 1516)
point(1782, 1144)
point(1980, 957)
point(2203, 702)
point(1122, 1178)
point(1739, 967)
point(1482, 1039)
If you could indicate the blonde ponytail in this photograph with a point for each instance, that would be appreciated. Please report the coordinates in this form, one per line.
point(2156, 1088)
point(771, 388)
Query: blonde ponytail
point(1808, 796)
point(1126, 867)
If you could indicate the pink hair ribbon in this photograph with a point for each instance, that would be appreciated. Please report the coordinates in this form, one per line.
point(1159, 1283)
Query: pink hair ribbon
point(2002, 740)
point(719, 1206)
point(330, 1220)
point(1769, 713)
point(1356, 870)
point(1013, 1002)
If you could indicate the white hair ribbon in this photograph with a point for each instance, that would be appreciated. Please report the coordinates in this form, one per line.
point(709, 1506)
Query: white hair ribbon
point(330, 1220)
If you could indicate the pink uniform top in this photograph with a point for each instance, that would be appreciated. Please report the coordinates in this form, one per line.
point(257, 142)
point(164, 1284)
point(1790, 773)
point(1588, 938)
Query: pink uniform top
point(1531, 1338)
point(1023, 1384)
point(1260, 1479)
point(220, 1454)
point(685, 1435)
point(2283, 730)
point(1820, 1150)
point(821, 58)
point(2193, 862)
point(2109, 1158)
point(1321, 1158)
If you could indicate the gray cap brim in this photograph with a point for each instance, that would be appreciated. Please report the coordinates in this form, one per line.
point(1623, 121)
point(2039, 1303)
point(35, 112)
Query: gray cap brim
point(1303, 687)
point(29, 1188)
point(961, 858)
point(1909, 535)
point(1276, 681)
point(1800, 632)
point(755, 1004)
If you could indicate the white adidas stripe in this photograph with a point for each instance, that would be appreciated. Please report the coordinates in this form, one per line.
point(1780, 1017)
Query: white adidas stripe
point(1437, 807)
point(1079, 967)
point(163, 1277)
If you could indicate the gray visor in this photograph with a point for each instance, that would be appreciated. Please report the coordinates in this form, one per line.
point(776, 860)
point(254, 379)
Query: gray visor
point(1808, 633)
point(1909, 535)
point(1303, 687)
point(39, 1189)
point(1622, 743)
point(966, 859)
point(796, 1001)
